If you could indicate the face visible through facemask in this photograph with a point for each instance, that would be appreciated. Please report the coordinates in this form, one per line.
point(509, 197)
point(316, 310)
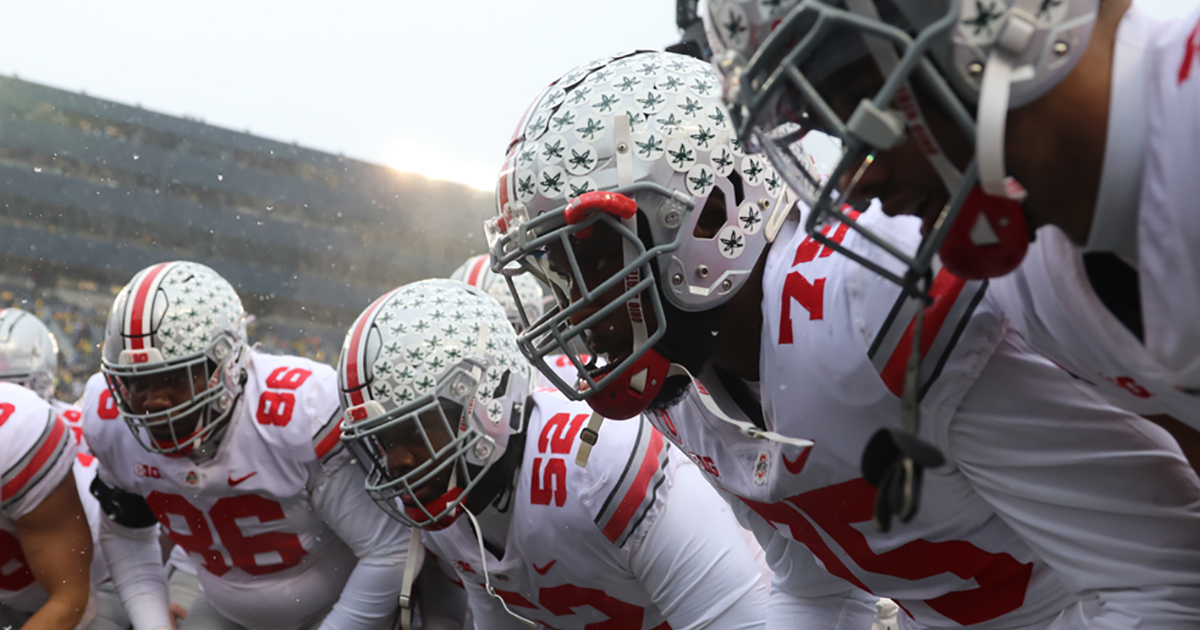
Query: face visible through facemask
point(161, 392)
point(415, 450)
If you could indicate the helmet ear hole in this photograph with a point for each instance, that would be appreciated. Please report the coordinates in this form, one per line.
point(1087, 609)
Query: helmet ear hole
point(502, 389)
point(712, 216)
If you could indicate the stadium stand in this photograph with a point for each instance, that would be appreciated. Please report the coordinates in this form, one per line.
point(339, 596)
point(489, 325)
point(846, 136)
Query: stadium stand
point(91, 191)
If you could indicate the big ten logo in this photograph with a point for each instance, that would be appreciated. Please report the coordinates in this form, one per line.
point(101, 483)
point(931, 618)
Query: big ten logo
point(549, 481)
point(276, 405)
point(145, 470)
point(106, 407)
point(810, 295)
point(705, 463)
point(139, 357)
point(463, 566)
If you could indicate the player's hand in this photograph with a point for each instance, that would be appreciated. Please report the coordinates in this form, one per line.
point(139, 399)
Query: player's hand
point(177, 614)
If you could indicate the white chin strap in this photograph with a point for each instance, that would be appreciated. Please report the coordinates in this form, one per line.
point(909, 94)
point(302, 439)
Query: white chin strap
point(745, 428)
point(410, 574)
point(1000, 72)
point(487, 578)
point(886, 58)
point(623, 134)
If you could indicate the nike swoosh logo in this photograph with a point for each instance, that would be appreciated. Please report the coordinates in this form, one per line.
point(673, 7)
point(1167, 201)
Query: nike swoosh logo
point(796, 465)
point(543, 570)
point(234, 482)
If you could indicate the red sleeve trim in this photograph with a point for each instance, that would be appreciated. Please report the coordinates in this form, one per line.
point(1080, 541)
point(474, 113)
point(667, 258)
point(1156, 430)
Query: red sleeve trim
point(49, 446)
point(637, 492)
point(945, 291)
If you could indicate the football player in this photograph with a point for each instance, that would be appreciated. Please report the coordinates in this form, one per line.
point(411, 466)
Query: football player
point(477, 272)
point(45, 544)
point(790, 361)
point(989, 120)
point(235, 454)
point(440, 414)
point(29, 357)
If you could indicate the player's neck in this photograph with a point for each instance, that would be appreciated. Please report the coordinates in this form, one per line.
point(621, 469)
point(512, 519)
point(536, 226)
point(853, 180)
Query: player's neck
point(1055, 145)
point(740, 340)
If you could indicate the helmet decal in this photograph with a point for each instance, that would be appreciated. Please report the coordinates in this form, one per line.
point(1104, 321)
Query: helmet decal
point(412, 351)
point(177, 316)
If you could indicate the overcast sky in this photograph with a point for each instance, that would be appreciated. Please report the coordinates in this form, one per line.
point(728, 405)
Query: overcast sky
point(433, 87)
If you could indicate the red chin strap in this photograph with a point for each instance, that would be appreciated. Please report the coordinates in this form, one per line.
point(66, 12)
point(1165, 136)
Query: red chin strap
point(633, 391)
point(437, 506)
point(988, 239)
point(621, 400)
point(613, 203)
point(186, 446)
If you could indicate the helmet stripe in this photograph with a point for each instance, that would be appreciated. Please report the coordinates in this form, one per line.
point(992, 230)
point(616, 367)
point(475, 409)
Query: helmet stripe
point(476, 276)
point(504, 192)
point(137, 317)
point(356, 372)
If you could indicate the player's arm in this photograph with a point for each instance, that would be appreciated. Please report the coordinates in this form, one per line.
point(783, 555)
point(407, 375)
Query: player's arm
point(129, 538)
point(380, 544)
point(699, 577)
point(1103, 496)
point(57, 545)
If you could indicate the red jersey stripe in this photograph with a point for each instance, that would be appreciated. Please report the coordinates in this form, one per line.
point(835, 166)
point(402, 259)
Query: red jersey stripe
point(48, 447)
point(637, 492)
point(946, 289)
point(330, 440)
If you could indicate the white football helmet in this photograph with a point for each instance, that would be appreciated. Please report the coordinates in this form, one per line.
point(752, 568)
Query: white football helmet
point(477, 272)
point(176, 316)
point(649, 130)
point(974, 59)
point(418, 352)
point(28, 352)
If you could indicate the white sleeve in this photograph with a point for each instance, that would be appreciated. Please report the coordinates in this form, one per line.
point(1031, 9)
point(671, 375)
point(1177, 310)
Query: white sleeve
point(1102, 496)
point(135, 563)
point(699, 577)
point(380, 544)
point(854, 610)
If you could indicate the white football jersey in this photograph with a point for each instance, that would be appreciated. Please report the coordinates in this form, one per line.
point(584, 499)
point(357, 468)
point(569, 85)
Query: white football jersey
point(1168, 223)
point(1156, 83)
point(36, 453)
point(85, 471)
point(983, 549)
point(246, 517)
point(578, 544)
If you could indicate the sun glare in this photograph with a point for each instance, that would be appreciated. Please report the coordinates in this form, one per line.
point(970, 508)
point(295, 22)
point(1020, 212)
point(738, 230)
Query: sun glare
point(437, 163)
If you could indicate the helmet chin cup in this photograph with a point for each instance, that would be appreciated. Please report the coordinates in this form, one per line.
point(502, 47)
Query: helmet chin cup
point(613, 203)
point(178, 452)
point(437, 506)
point(633, 390)
point(988, 239)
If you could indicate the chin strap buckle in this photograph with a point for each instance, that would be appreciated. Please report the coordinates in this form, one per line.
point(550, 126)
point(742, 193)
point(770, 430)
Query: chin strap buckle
point(894, 460)
point(587, 439)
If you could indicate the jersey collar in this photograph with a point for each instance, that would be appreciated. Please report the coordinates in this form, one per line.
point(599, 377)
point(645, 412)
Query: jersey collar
point(1115, 222)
